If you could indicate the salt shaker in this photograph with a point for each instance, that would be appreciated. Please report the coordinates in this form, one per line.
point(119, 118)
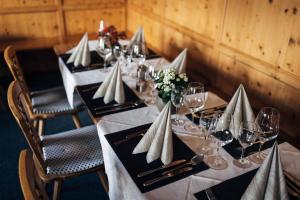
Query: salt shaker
point(141, 78)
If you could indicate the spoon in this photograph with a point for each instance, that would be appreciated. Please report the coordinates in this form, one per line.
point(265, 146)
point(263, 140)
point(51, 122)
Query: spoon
point(197, 159)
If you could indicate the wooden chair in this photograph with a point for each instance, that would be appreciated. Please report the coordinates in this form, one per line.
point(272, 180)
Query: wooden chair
point(31, 184)
point(58, 156)
point(44, 104)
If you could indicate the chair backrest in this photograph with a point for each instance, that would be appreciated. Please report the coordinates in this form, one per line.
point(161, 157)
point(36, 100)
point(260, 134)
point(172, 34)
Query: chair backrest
point(21, 112)
point(31, 184)
point(12, 61)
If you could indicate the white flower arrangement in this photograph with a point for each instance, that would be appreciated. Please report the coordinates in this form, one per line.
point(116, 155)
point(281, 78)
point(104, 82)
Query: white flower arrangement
point(168, 79)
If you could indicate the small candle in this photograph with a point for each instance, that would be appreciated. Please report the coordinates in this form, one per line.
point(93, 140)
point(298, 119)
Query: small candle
point(101, 26)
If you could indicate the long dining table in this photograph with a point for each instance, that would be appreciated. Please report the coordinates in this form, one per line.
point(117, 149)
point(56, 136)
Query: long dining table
point(121, 184)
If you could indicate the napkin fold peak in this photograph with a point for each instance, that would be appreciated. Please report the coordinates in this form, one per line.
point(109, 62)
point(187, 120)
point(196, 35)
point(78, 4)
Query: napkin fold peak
point(269, 182)
point(238, 110)
point(112, 87)
point(81, 55)
point(179, 63)
point(137, 38)
point(158, 140)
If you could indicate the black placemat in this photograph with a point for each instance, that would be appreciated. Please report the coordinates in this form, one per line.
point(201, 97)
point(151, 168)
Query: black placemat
point(135, 163)
point(235, 149)
point(232, 189)
point(87, 92)
point(96, 63)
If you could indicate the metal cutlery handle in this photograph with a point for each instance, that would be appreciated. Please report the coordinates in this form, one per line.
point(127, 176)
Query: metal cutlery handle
point(176, 168)
point(117, 109)
point(174, 163)
point(149, 171)
point(175, 173)
point(150, 182)
point(129, 137)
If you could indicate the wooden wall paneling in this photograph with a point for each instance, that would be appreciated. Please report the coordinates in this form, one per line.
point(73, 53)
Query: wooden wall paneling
point(94, 2)
point(28, 25)
point(199, 16)
point(258, 28)
point(25, 3)
point(55, 19)
point(231, 42)
point(60, 20)
point(262, 91)
point(80, 21)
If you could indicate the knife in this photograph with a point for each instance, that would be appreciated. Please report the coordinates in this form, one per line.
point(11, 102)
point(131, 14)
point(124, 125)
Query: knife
point(169, 175)
point(118, 105)
point(119, 108)
point(177, 162)
point(131, 136)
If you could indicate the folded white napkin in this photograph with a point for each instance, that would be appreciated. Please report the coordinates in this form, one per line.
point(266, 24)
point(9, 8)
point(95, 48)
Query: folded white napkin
point(158, 140)
point(239, 109)
point(81, 55)
point(269, 182)
point(137, 38)
point(179, 63)
point(112, 87)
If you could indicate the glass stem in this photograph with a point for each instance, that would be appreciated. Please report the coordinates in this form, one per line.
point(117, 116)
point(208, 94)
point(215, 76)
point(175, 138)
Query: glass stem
point(242, 155)
point(176, 119)
point(193, 118)
point(259, 150)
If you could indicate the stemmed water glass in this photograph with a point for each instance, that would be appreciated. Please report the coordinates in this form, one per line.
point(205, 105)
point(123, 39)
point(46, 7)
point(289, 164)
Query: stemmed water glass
point(207, 126)
point(246, 136)
point(267, 121)
point(222, 137)
point(177, 97)
point(138, 53)
point(194, 99)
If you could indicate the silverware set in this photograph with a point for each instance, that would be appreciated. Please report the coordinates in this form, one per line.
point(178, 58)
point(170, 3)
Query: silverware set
point(182, 166)
point(120, 107)
point(91, 67)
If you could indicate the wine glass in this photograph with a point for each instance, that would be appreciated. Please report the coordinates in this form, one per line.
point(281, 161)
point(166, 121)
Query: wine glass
point(222, 137)
point(177, 97)
point(118, 53)
point(246, 136)
point(138, 53)
point(267, 121)
point(195, 100)
point(207, 125)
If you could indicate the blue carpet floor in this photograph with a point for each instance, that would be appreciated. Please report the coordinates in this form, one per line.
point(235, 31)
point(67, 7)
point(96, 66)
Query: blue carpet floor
point(12, 142)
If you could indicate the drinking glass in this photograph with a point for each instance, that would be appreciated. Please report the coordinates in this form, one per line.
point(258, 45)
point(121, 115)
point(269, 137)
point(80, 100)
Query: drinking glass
point(267, 121)
point(138, 53)
point(177, 96)
point(118, 53)
point(246, 136)
point(207, 126)
point(151, 83)
point(194, 99)
point(222, 137)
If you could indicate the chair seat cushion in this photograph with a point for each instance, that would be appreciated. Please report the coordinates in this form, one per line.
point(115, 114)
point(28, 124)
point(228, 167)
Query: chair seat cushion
point(72, 151)
point(53, 101)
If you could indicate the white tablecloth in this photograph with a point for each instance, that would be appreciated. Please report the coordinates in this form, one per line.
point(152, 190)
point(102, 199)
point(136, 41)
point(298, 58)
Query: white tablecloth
point(71, 80)
point(121, 186)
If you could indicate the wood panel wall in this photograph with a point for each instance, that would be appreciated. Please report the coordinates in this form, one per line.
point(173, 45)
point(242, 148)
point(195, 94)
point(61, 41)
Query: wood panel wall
point(254, 42)
point(47, 22)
